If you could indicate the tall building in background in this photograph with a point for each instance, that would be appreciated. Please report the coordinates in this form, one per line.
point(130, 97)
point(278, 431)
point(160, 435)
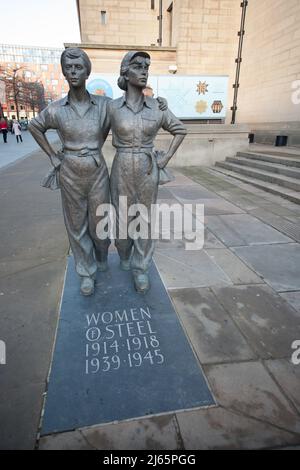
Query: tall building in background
point(2, 98)
point(36, 64)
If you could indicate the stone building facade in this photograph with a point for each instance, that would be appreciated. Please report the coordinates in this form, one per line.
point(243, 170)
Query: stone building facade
point(201, 37)
point(271, 62)
point(203, 32)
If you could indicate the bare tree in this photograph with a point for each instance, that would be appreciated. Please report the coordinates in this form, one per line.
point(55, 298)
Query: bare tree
point(50, 96)
point(14, 85)
point(34, 96)
point(22, 91)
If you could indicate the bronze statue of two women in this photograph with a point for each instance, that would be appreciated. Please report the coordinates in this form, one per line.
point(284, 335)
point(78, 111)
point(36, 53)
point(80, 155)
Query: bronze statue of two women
point(83, 121)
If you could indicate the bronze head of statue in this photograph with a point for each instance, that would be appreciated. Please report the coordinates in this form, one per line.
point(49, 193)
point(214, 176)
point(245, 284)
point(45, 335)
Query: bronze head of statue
point(134, 68)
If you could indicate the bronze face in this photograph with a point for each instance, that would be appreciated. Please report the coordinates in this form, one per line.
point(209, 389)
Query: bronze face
point(75, 71)
point(138, 72)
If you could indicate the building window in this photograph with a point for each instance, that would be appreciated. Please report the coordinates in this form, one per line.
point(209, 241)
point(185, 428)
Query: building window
point(103, 17)
point(12, 107)
point(21, 107)
point(152, 4)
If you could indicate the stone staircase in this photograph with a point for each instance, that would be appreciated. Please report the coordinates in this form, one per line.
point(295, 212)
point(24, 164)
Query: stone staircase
point(276, 172)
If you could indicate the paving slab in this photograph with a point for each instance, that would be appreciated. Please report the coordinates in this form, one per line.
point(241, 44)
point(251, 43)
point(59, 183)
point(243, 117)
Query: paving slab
point(243, 229)
point(249, 389)
point(36, 238)
point(220, 207)
point(238, 271)
point(192, 193)
point(221, 429)
point(13, 151)
point(20, 415)
point(292, 206)
point(278, 264)
point(159, 432)
point(155, 433)
point(164, 193)
point(239, 199)
point(204, 176)
point(214, 206)
point(293, 298)
point(210, 241)
point(287, 375)
point(42, 201)
point(14, 264)
point(72, 440)
point(293, 219)
point(214, 336)
point(266, 320)
point(181, 269)
point(249, 192)
point(180, 179)
point(28, 322)
point(278, 209)
point(32, 221)
point(278, 222)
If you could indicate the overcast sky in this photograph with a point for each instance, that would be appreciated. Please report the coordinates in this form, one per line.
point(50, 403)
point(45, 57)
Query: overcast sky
point(39, 22)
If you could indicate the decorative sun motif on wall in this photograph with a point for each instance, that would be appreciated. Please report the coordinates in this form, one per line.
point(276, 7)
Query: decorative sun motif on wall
point(201, 106)
point(202, 88)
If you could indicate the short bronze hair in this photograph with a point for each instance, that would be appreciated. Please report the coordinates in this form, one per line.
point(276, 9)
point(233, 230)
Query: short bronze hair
point(75, 53)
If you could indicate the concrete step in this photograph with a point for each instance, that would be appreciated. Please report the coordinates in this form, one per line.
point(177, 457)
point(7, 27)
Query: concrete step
point(280, 169)
point(267, 176)
point(289, 160)
point(286, 193)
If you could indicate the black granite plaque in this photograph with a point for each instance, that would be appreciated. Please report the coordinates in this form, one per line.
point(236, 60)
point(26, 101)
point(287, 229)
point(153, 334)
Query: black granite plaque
point(119, 355)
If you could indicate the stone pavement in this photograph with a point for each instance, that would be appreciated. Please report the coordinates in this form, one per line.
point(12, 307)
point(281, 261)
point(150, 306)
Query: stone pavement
point(32, 263)
point(238, 300)
point(13, 151)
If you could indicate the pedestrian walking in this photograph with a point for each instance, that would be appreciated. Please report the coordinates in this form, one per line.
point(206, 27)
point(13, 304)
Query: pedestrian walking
point(4, 129)
point(17, 131)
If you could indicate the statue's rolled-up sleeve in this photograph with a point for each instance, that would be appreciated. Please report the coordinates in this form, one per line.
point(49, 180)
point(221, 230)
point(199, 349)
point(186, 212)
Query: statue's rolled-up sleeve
point(44, 120)
point(171, 123)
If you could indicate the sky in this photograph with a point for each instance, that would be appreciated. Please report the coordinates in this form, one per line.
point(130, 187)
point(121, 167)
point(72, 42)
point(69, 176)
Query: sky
point(45, 23)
